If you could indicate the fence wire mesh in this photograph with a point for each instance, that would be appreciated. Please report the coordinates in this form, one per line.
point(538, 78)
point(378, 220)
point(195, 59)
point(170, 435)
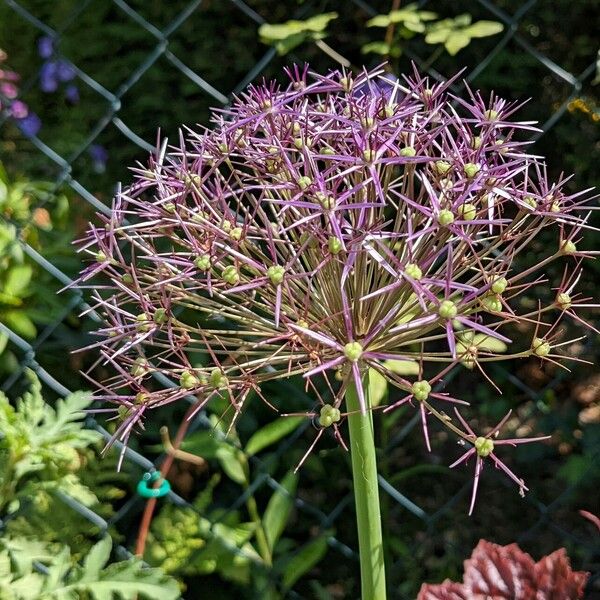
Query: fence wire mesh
point(118, 103)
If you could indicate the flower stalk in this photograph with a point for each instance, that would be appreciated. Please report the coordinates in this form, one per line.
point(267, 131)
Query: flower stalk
point(366, 494)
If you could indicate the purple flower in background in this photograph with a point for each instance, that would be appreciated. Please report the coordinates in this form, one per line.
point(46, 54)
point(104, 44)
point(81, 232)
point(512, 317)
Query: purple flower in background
point(49, 77)
point(29, 125)
point(72, 93)
point(99, 156)
point(19, 109)
point(64, 71)
point(45, 46)
point(9, 90)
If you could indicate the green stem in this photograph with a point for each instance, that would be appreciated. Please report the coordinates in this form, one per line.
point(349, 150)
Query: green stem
point(366, 495)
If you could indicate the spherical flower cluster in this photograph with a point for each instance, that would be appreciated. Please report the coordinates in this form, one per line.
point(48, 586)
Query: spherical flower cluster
point(325, 228)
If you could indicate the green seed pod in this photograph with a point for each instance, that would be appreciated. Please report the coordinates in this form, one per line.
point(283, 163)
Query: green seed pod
point(408, 151)
point(499, 285)
point(530, 201)
point(413, 271)
point(421, 390)
point(140, 398)
point(127, 279)
point(491, 304)
point(471, 169)
point(160, 316)
point(568, 247)
point(484, 446)
point(563, 301)
point(467, 211)
point(231, 275)
point(236, 233)
point(476, 143)
point(217, 379)
point(442, 166)
point(169, 207)
point(276, 273)
point(304, 182)
point(140, 367)
point(540, 347)
point(335, 245)
point(188, 380)
point(491, 115)
point(329, 415)
point(445, 217)
point(353, 351)
point(202, 262)
point(369, 155)
point(447, 309)
point(143, 322)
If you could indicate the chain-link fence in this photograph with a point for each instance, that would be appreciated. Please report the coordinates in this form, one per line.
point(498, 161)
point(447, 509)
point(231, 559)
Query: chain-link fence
point(67, 166)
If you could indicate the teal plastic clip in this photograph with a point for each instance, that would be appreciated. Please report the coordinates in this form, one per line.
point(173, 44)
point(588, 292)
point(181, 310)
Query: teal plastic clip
point(145, 491)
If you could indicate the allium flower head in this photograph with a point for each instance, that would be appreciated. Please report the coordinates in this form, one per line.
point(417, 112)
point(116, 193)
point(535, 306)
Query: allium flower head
point(324, 228)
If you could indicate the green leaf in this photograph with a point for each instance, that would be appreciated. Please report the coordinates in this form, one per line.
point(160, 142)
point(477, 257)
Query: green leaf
point(304, 561)
point(278, 509)
point(288, 35)
point(17, 280)
point(456, 41)
point(272, 433)
point(379, 21)
point(20, 323)
point(230, 460)
point(403, 367)
point(484, 29)
point(376, 48)
point(378, 387)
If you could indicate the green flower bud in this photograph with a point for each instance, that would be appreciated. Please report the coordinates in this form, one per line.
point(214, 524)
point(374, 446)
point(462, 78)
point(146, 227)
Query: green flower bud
point(408, 151)
point(353, 351)
point(140, 366)
point(223, 147)
point(484, 446)
point(491, 303)
point(100, 257)
point(231, 275)
point(491, 115)
point(140, 398)
point(327, 151)
point(563, 301)
point(202, 262)
point(329, 415)
point(499, 285)
point(540, 347)
point(304, 182)
point(217, 379)
point(296, 127)
point(445, 217)
point(188, 380)
point(467, 211)
point(471, 169)
point(325, 200)
point(442, 166)
point(160, 315)
point(568, 247)
point(143, 322)
point(236, 233)
point(276, 274)
point(127, 279)
point(476, 143)
point(369, 155)
point(226, 226)
point(530, 201)
point(388, 111)
point(447, 309)
point(169, 207)
point(421, 390)
point(335, 245)
point(413, 271)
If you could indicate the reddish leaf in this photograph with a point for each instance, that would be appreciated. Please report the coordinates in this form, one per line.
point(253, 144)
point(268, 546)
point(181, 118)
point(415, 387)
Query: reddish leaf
point(500, 572)
point(555, 579)
point(507, 573)
point(448, 590)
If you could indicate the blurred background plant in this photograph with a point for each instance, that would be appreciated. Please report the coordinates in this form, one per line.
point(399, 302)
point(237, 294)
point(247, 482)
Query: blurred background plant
point(90, 114)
